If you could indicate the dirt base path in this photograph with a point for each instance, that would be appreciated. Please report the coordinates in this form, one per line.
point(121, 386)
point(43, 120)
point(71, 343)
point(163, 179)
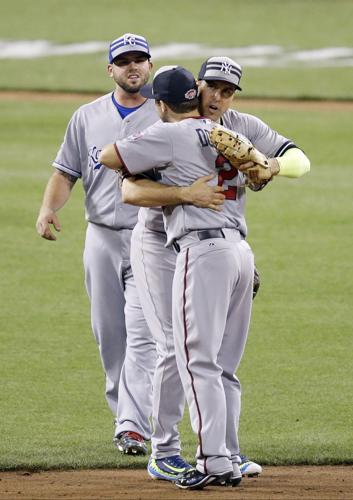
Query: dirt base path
point(240, 102)
point(282, 483)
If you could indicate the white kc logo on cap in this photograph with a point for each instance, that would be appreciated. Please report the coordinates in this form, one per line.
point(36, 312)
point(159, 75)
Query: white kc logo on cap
point(129, 39)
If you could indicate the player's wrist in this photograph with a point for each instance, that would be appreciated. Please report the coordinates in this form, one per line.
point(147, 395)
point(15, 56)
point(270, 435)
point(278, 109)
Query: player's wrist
point(185, 194)
point(46, 211)
point(274, 166)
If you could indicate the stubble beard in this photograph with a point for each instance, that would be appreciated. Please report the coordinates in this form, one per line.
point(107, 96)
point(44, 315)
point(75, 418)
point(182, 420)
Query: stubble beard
point(130, 89)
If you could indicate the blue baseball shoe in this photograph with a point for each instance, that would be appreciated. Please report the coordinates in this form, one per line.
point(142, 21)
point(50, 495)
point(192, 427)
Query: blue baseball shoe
point(249, 468)
point(131, 443)
point(196, 480)
point(168, 468)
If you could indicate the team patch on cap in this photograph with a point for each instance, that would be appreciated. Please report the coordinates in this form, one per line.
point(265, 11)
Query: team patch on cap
point(173, 84)
point(128, 42)
point(129, 39)
point(191, 94)
point(221, 68)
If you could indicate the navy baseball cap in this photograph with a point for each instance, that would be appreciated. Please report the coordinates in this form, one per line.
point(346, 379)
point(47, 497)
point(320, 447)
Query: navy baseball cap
point(221, 68)
point(128, 43)
point(172, 84)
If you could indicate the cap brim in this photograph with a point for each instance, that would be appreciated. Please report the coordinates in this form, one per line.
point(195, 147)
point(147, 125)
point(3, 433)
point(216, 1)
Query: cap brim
point(214, 78)
point(146, 91)
point(111, 58)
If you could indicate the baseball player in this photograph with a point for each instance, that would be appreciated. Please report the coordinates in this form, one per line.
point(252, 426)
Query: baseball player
point(213, 281)
point(115, 308)
point(125, 345)
point(153, 264)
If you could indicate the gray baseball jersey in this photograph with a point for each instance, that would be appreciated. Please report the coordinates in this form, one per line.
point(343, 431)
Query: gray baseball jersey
point(212, 288)
point(265, 139)
point(115, 308)
point(93, 126)
point(153, 266)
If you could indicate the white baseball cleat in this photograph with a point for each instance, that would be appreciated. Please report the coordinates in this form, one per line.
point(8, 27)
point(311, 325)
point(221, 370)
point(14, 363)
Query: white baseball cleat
point(249, 468)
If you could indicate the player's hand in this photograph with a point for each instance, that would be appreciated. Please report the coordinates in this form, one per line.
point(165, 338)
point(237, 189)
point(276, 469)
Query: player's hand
point(202, 195)
point(257, 174)
point(45, 218)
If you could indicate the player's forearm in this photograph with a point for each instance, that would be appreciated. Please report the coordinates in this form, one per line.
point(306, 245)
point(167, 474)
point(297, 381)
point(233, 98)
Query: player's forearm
point(147, 193)
point(110, 157)
point(57, 191)
point(294, 163)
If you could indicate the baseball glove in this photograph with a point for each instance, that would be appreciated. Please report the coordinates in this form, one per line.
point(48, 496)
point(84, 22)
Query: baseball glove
point(256, 283)
point(238, 150)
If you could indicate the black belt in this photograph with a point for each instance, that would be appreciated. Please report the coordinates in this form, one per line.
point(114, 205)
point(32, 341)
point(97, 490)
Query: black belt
point(210, 233)
point(203, 234)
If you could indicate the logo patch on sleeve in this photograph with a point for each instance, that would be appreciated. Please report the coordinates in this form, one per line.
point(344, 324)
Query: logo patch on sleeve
point(136, 136)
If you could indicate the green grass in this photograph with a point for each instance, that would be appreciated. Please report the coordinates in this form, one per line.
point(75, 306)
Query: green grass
point(67, 74)
point(297, 373)
point(293, 24)
point(255, 23)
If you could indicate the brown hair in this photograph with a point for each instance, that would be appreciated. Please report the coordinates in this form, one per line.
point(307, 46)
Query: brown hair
point(183, 107)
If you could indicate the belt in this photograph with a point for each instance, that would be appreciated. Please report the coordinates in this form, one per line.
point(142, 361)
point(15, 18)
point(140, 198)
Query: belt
point(204, 234)
point(110, 227)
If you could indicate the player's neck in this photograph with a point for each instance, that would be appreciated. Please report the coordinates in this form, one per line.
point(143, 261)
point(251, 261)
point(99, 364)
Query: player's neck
point(127, 99)
point(178, 117)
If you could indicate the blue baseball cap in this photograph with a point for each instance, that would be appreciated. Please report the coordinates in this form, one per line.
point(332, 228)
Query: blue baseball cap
point(172, 84)
point(128, 43)
point(221, 68)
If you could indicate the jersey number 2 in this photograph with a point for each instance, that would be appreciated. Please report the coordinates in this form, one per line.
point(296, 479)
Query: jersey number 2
point(226, 173)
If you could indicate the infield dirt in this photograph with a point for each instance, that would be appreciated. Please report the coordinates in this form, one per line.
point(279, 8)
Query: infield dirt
point(280, 483)
point(241, 103)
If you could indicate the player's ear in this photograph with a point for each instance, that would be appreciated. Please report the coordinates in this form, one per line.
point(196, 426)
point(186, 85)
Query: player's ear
point(150, 63)
point(110, 70)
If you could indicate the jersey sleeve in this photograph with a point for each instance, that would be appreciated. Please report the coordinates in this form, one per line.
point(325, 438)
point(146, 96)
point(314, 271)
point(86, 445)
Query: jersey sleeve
point(264, 138)
point(68, 157)
point(146, 150)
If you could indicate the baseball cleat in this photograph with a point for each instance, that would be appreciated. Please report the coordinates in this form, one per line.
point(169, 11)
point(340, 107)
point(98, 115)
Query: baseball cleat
point(236, 476)
point(196, 480)
point(131, 443)
point(249, 468)
point(235, 479)
point(168, 468)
